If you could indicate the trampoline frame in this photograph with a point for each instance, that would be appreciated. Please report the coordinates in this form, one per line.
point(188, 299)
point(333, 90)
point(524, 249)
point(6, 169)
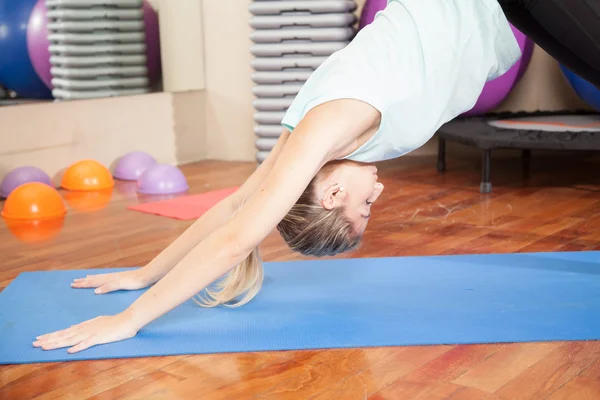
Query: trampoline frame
point(476, 132)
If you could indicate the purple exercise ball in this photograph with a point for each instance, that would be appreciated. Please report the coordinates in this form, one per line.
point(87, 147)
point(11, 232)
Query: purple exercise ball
point(152, 42)
point(39, 52)
point(38, 43)
point(369, 10)
point(494, 91)
point(20, 176)
point(162, 179)
point(132, 165)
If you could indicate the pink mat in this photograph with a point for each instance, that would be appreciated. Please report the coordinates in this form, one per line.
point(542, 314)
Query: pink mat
point(184, 207)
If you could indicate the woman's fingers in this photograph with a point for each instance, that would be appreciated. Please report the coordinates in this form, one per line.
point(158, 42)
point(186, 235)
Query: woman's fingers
point(83, 345)
point(65, 338)
point(106, 283)
point(108, 287)
point(57, 334)
point(92, 281)
point(99, 330)
point(64, 342)
point(88, 281)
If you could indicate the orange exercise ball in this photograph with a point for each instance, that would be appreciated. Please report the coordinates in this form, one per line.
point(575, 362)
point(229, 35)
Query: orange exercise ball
point(34, 200)
point(87, 175)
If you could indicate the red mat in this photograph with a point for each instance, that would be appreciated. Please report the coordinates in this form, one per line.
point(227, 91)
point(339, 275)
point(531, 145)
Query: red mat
point(184, 207)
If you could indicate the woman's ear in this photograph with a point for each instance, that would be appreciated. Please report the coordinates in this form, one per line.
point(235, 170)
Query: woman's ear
point(333, 196)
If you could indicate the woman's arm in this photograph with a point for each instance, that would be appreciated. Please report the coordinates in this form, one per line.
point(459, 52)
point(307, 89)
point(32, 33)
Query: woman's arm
point(322, 135)
point(214, 218)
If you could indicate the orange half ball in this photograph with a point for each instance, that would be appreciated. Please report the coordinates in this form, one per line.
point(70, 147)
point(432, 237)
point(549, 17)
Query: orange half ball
point(87, 175)
point(34, 200)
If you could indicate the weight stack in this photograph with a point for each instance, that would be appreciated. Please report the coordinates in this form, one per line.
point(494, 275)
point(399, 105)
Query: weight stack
point(291, 39)
point(97, 48)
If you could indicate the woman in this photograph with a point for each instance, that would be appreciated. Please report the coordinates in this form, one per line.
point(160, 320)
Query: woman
point(417, 66)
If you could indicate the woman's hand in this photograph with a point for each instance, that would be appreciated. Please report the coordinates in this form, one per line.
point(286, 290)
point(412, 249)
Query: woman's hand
point(106, 283)
point(99, 330)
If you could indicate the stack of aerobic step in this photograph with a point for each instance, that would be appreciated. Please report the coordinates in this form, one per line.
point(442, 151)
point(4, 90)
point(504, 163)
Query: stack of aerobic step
point(97, 48)
point(291, 39)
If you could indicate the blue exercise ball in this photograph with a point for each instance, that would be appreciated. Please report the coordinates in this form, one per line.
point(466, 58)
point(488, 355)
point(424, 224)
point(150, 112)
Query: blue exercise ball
point(16, 69)
point(585, 90)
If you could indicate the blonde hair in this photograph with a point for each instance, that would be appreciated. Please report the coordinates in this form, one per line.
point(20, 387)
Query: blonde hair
point(238, 286)
point(312, 230)
point(308, 228)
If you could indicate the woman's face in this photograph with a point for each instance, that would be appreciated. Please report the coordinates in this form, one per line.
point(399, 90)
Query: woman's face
point(351, 185)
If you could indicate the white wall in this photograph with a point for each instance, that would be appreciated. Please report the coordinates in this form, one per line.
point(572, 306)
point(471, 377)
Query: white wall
point(206, 111)
point(51, 136)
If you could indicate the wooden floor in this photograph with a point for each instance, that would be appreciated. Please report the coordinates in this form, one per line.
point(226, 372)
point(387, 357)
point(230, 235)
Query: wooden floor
point(554, 208)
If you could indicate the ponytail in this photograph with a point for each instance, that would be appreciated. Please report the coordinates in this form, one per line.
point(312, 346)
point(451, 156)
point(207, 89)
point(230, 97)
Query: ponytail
point(238, 287)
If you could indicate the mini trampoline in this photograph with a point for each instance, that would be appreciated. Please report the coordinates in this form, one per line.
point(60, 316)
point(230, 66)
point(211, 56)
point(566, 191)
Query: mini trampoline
point(526, 131)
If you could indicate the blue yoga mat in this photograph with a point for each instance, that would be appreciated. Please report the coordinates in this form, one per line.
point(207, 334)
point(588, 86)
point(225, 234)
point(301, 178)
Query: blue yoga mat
point(333, 304)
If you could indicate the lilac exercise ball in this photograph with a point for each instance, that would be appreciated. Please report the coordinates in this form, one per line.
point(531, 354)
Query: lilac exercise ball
point(20, 176)
point(152, 42)
point(38, 43)
point(162, 179)
point(132, 165)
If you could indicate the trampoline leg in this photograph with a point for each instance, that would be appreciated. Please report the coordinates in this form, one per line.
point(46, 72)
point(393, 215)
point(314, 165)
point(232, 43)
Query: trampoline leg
point(526, 158)
point(441, 161)
point(486, 184)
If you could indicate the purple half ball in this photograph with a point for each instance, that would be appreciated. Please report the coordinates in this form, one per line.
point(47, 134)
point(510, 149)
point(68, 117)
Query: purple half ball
point(21, 175)
point(132, 165)
point(162, 179)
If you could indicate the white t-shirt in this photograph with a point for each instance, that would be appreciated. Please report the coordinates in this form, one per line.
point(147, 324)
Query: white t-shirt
point(420, 63)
